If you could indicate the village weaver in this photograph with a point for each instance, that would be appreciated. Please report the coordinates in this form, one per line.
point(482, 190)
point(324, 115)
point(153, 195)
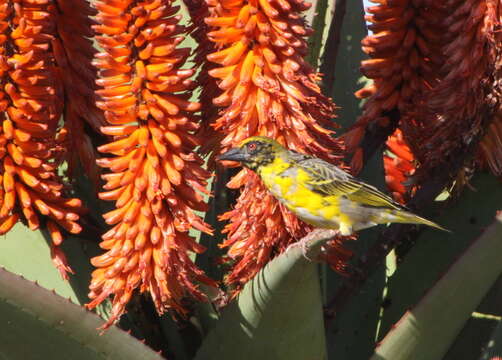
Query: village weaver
point(318, 192)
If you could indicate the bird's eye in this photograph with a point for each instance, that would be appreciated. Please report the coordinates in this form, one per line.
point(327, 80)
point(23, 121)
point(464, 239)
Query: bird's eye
point(251, 147)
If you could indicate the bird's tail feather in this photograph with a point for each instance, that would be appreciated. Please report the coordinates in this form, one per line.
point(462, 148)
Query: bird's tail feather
point(406, 217)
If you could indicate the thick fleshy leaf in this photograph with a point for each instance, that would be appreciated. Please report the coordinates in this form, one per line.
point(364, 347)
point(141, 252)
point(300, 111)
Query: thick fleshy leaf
point(433, 253)
point(426, 331)
point(318, 17)
point(278, 315)
point(350, 333)
point(493, 348)
point(35, 263)
point(38, 324)
point(341, 57)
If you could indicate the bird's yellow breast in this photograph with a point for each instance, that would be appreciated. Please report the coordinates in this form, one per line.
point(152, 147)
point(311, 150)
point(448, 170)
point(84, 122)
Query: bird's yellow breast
point(289, 185)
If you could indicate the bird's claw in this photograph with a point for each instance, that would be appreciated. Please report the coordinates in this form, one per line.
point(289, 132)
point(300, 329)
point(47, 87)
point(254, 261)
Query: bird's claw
point(303, 245)
point(304, 242)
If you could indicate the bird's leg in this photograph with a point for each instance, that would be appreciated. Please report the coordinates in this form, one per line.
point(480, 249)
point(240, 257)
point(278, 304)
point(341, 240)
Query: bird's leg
point(312, 241)
point(302, 244)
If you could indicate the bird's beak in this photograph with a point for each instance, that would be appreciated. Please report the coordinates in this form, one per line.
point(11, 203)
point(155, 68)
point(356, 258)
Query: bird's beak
point(235, 154)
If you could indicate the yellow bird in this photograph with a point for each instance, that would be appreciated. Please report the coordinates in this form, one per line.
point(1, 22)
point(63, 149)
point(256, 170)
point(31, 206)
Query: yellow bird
point(318, 192)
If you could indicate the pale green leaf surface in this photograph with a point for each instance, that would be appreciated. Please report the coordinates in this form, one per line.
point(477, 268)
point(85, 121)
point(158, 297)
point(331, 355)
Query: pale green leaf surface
point(278, 315)
point(38, 324)
point(27, 253)
point(493, 348)
point(350, 334)
point(420, 269)
point(426, 331)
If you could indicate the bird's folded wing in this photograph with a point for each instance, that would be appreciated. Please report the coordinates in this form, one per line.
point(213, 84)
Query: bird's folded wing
point(330, 180)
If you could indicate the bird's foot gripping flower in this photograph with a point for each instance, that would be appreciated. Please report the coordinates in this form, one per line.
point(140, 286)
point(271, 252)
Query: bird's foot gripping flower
point(156, 179)
point(312, 241)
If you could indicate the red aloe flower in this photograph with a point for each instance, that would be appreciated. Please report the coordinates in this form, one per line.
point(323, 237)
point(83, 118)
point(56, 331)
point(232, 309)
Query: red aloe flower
point(268, 89)
point(455, 110)
point(491, 144)
point(74, 52)
point(436, 77)
point(399, 166)
point(199, 11)
point(156, 179)
point(30, 108)
point(404, 61)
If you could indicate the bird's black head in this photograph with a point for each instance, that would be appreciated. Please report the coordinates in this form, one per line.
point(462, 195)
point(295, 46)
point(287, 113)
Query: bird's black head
point(254, 152)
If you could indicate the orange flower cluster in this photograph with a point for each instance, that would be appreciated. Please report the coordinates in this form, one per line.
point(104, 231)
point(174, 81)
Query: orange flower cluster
point(433, 70)
point(403, 65)
point(267, 89)
point(456, 108)
point(199, 10)
point(74, 52)
point(156, 179)
point(398, 165)
point(30, 109)
point(491, 144)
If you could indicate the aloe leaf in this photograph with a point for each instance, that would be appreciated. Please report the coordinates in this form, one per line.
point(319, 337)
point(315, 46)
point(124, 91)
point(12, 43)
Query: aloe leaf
point(38, 324)
point(35, 263)
point(474, 337)
point(350, 333)
point(434, 251)
point(317, 17)
point(426, 331)
point(278, 315)
point(493, 348)
point(341, 59)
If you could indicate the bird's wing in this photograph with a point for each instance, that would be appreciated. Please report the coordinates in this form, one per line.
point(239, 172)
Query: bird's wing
point(328, 179)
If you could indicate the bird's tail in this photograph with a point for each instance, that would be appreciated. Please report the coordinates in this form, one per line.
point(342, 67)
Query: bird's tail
point(405, 217)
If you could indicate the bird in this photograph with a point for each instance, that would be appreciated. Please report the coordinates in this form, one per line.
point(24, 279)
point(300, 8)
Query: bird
point(318, 192)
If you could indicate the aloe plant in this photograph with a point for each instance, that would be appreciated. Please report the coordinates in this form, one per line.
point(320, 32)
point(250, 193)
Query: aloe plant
point(426, 330)
point(404, 294)
point(38, 324)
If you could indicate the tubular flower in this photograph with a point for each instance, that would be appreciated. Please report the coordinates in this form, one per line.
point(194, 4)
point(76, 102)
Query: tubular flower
point(199, 10)
point(30, 108)
point(156, 179)
point(456, 109)
point(74, 53)
point(491, 144)
point(398, 165)
point(267, 89)
point(404, 59)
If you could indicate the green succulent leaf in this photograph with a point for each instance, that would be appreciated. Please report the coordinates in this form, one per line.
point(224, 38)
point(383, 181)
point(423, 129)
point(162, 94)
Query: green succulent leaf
point(38, 324)
point(426, 331)
point(493, 348)
point(278, 315)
